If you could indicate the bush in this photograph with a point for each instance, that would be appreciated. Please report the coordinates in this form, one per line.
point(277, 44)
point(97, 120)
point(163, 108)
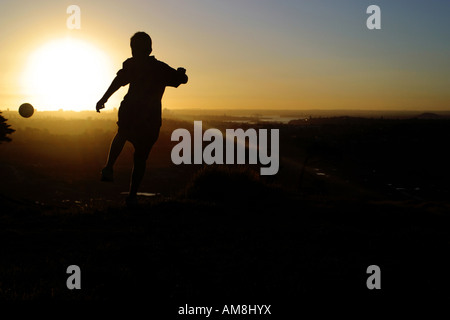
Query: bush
point(227, 184)
point(5, 130)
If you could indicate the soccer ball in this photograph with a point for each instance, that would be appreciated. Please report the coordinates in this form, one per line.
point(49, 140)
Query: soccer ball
point(26, 110)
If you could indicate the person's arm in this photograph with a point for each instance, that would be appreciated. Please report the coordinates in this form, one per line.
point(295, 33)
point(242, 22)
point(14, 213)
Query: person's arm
point(122, 79)
point(115, 85)
point(182, 76)
point(173, 78)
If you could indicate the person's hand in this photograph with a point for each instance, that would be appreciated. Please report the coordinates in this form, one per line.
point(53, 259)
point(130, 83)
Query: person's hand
point(183, 76)
point(100, 104)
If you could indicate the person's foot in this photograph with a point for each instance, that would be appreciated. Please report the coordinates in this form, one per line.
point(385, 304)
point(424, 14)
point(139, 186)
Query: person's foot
point(132, 202)
point(107, 174)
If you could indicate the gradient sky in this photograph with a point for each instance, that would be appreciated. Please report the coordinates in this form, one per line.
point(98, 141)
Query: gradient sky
point(254, 53)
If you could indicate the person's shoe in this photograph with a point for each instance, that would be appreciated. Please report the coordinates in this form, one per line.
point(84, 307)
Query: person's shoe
point(107, 174)
point(132, 202)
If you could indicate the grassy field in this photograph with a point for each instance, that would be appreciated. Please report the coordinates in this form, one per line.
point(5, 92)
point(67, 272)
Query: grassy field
point(350, 193)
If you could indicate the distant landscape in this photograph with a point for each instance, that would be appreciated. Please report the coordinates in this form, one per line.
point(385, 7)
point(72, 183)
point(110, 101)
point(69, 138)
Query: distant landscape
point(353, 189)
point(392, 155)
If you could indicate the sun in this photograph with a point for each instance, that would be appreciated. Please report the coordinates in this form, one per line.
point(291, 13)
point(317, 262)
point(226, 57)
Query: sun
point(67, 74)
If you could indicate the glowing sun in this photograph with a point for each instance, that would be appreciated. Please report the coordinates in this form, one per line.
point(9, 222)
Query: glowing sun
point(66, 74)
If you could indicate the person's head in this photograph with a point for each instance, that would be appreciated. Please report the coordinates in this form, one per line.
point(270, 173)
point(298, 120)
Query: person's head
point(141, 44)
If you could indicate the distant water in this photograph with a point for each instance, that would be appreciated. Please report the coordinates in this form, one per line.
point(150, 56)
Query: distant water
point(283, 120)
point(144, 194)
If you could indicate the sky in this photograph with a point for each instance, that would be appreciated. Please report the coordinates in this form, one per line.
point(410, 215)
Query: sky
point(239, 54)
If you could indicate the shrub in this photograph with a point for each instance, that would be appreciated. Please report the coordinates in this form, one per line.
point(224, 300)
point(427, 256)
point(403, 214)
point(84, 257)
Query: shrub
point(5, 130)
point(224, 183)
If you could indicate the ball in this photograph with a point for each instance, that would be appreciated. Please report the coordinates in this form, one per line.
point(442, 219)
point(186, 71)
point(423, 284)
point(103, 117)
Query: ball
point(26, 110)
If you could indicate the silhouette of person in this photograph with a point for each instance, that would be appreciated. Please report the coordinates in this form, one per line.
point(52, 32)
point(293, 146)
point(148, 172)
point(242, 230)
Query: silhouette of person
point(139, 118)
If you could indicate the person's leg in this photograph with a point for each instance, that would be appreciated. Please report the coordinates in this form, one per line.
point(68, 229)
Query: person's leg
point(114, 151)
point(142, 150)
point(140, 162)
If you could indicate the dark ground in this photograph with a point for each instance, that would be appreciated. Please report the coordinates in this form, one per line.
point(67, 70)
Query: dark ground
point(350, 193)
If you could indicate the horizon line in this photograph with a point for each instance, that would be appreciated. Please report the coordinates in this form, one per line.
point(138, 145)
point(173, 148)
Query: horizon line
point(243, 109)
